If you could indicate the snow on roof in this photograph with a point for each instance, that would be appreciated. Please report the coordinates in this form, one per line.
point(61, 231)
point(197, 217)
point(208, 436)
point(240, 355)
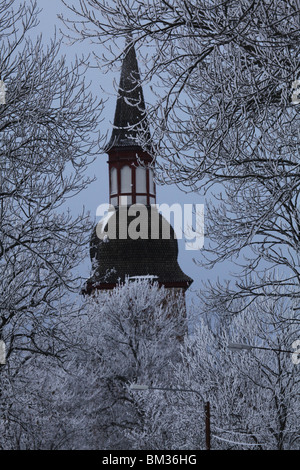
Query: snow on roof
point(146, 276)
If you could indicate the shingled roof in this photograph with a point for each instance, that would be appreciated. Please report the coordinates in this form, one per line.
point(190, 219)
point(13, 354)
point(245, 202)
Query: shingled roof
point(116, 259)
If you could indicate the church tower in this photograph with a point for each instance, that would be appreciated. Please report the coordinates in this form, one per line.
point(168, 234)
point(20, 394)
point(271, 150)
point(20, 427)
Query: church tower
point(114, 253)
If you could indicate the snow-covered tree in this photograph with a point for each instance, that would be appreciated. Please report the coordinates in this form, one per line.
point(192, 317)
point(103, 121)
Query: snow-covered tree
point(48, 134)
point(33, 413)
point(48, 137)
point(253, 395)
point(130, 334)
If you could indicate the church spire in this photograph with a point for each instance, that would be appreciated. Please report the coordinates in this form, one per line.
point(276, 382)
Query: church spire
point(130, 114)
point(131, 182)
point(130, 165)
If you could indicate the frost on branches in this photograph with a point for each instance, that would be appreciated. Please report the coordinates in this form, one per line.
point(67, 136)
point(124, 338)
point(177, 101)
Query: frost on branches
point(130, 335)
point(254, 396)
point(47, 136)
point(119, 337)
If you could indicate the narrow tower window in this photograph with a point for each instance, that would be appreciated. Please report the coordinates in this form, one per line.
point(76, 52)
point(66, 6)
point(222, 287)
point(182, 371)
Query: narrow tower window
point(126, 180)
point(140, 175)
point(151, 182)
point(113, 181)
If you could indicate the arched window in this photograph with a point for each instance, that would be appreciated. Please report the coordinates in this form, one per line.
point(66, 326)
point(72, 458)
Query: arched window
point(151, 182)
point(126, 186)
point(113, 181)
point(140, 180)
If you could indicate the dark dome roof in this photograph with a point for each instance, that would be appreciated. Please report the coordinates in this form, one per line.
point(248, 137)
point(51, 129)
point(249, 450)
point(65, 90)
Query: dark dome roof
point(114, 259)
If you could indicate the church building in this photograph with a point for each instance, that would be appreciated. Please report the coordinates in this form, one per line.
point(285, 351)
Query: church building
point(154, 253)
